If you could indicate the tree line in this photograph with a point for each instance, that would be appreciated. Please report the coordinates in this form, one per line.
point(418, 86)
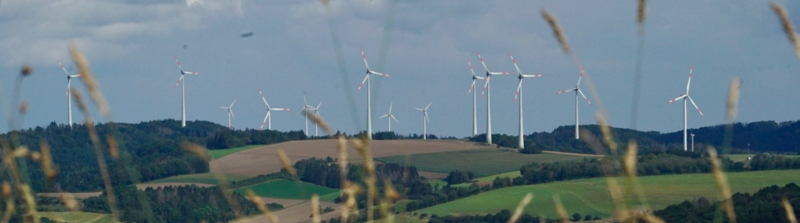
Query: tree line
point(762, 206)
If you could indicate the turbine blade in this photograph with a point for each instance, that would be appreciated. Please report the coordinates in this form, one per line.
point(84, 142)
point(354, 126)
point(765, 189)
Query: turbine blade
point(581, 77)
point(179, 64)
point(365, 58)
point(265, 120)
point(470, 68)
point(395, 120)
point(263, 99)
point(179, 81)
point(384, 116)
point(223, 107)
point(429, 105)
point(62, 67)
point(426, 117)
point(419, 109)
point(189, 72)
point(485, 85)
point(379, 73)
point(234, 101)
point(231, 111)
point(317, 108)
point(678, 98)
point(74, 75)
point(471, 86)
point(362, 82)
point(695, 106)
point(390, 107)
point(565, 91)
point(280, 109)
point(515, 63)
point(690, 80)
point(500, 73)
point(584, 97)
point(484, 63)
point(304, 101)
point(519, 86)
point(532, 75)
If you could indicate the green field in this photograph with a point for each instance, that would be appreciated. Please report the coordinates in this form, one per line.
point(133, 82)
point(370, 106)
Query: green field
point(74, 216)
point(483, 162)
point(204, 178)
point(219, 153)
point(288, 189)
point(591, 196)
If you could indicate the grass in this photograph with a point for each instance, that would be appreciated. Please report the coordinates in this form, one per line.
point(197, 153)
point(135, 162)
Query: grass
point(219, 153)
point(591, 196)
point(75, 216)
point(482, 162)
point(490, 178)
point(204, 178)
point(287, 189)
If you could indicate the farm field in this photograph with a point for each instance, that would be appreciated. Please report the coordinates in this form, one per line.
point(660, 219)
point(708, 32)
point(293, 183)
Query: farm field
point(590, 196)
point(219, 153)
point(482, 162)
point(264, 159)
point(75, 216)
point(287, 189)
point(201, 178)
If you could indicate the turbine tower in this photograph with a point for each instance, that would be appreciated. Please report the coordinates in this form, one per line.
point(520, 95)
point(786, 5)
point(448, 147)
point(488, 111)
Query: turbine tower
point(519, 94)
point(474, 106)
point(425, 121)
point(487, 89)
point(230, 113)
point(69, 99)
point(369, 99)
point(577, 91)
point(311, 109)
point(268, 119)
point(390, 117)
point(684, 97)
point(183, 91)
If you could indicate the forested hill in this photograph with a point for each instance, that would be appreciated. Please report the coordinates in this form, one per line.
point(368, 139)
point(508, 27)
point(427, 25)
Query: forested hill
point(151, 150)
point(763, 136)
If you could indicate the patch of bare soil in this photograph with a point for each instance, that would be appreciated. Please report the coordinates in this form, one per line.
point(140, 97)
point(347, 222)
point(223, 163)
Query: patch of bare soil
point(295, 214)
point(264, 160)
point(77, 195)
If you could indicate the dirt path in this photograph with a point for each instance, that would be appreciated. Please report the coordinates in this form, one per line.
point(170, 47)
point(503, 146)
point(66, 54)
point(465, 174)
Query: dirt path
point(264, 160)
point(77, 195)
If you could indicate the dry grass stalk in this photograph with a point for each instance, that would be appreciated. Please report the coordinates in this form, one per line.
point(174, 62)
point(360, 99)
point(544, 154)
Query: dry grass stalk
point(630, 159)
point(112, 146)
point(50, 171)
point(390, 195)
point(789, 210)
point(20, 152)
point(788, 27)
point(733, 99)
point(722, 184)
point(261, 206)
point(557, 31)
point(27, 196)
point(286, 162)
point(89, 81)
point(362, 146)
point(70, 202)
point(608, 138)
point(315, 208)
point(562, 213)
point(318, 121)
point(521, 208)
point(620, 207)
point(196, 150)
point(112, 202)
point(6, 189)
point(9, 210)
point(641, 12)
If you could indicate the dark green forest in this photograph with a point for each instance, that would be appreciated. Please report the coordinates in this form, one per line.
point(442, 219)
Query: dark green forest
point(762, 206)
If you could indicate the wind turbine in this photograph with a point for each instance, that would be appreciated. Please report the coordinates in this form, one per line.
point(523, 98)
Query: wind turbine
point(474, 106)
point(425, 121)
point(230, 113)
point(311, 109)
point(390, 117)
point(519, 94)
point(269, 109)
point(684, 97)
point(577, 91)
point(183, 91)
point(369, 99)
point(488, 90)
point(69, 99)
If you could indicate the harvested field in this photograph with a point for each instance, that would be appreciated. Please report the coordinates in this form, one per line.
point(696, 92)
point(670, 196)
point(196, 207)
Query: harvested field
point(432, 175)
point(78, 195)
point(296, 213)
point(264, 160)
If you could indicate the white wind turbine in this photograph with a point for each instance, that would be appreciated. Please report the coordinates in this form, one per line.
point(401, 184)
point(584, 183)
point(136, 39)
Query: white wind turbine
point(684, 97)
point(487, 89)
point(577, 91)
point(69, 99)
point(369, 99)
point(390, 117)
point(183, 91)
point(425, 121)
point(310, 109)
point(474, 106)
point(230, 113)
point(268, 118)
point(519, 94)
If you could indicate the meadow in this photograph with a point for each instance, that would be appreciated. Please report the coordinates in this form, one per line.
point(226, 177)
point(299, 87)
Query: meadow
point(482, 162)
point(591, 196)
point(203, 178)
point(219, 153)
point(75, 216)
point(287, 189)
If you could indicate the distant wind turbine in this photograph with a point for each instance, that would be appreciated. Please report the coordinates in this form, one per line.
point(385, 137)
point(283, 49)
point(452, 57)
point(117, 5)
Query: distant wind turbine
point(183, 91)
point(487, 89)
point(268, 118)
point(577, 91)
point(391, 117)
point(230, 113)
point(310, 109)
point(474, 106)
point(519, 94)
point(369, 99)
point(425, 121)
point(69, 99)
point(684, 97)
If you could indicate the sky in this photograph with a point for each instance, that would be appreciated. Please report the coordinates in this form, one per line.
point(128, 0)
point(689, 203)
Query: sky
point(306, 48)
